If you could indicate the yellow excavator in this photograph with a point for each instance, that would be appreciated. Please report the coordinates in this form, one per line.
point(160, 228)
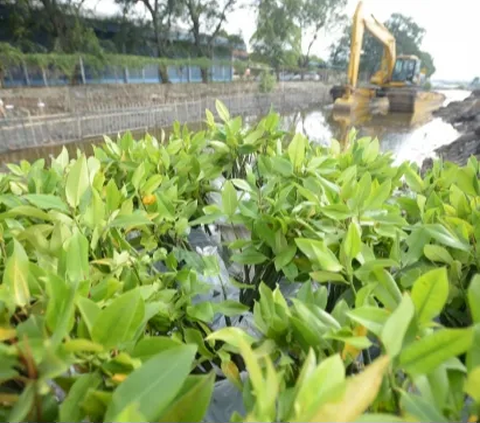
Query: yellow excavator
point(396, 85)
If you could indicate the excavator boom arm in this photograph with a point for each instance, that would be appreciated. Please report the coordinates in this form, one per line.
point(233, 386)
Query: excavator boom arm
point(361, 22)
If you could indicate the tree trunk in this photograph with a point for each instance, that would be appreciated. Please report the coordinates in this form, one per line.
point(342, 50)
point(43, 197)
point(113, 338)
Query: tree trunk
point(204, 72)
point(162, 70)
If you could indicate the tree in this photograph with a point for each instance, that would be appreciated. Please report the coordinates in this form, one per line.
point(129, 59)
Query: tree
point(408, 35)
point(206, 18)
point(315, 15)
point(163, 14)
point(277, 39)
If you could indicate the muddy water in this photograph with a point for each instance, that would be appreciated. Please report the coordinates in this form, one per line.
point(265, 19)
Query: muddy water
point(409, 137)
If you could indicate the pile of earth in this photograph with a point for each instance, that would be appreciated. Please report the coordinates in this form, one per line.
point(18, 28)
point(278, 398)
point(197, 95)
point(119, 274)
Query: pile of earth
point(465, 117)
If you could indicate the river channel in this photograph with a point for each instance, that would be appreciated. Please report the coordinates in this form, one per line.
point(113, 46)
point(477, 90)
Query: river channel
point(408, 137)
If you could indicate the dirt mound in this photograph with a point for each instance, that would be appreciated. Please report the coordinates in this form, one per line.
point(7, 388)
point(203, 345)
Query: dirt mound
point(465, 117)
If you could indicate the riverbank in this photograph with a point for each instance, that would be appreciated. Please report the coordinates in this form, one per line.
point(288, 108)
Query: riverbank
point(464, 116)
point(98, 98)
point(37, 131)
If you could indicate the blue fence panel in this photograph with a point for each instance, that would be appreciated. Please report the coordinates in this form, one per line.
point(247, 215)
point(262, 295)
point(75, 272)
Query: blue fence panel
point(135, 76)
point(195, 74)
point(15, 76)
point(151, 74)
point(178, 74)
point(35, 77)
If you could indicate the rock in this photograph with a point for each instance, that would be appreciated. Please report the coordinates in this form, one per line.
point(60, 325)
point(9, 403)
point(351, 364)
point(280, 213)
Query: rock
point(460, 150)
point(426, 166)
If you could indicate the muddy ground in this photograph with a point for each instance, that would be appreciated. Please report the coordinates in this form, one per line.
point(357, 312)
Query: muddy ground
point(465, 117)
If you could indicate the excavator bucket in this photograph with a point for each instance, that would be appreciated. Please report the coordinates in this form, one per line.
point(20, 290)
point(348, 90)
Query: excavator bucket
point(361, 101)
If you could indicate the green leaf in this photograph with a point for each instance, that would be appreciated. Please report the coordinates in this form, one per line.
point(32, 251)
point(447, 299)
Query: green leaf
point(319, 254)
point(425, 355)
point(443, 236)
point(229, 199)
point(202, 311)
point(230, 308)
point(222, 111)
point(138, 176)
point(113, 196)
point(387, 290)
point(82, 345)
point(152, 184)
point(210, 118)
point(378, 418)
point(154, 385)
point(46, 201)
point(149, 347)
point(473, 355)
point(15, 277)
point(27, 211)
point(24, 404)
point(353, 240)
point(76, 260)
point(472, 385)
point(89, 311)
point(70, 409)
point(282, 166)
point(360, 392)
point(317, 385)
point(130, 220)
point(474, 298)
point(396, 326)
point(413, 180)
point(242, 184)
point(429, 294)
point(120, 320)
point(437, 254)
point(373, 318)
point(231, 335)
point(417, 407)
point(285, 257)
point(323, 276)
point(296, 151)
point(249, 256)
point(337, 211)
point(192, 401)
point(207, 219)
point(379, 195)
point(77, 182)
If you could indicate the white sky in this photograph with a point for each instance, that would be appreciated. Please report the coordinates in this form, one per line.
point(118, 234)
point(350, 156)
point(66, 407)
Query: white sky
point(451, 27)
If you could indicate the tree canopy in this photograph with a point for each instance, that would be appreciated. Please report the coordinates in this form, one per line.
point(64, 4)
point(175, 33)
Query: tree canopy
point(284, 25)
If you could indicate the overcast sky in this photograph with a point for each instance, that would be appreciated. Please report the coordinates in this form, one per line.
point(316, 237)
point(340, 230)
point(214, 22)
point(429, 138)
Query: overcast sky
point(451, 37)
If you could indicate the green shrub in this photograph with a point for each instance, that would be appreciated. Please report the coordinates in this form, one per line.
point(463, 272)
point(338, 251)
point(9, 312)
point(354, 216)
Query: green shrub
point(427, 86)
point(267, 82)
point(103, 314)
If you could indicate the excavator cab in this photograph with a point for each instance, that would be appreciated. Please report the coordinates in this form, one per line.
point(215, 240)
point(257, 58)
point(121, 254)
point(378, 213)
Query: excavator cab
point(407, 71)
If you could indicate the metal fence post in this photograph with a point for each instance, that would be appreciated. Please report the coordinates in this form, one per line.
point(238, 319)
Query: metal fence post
point(44, 76)
point(25, 74)
point(82, 71)
point(189, 70)
point(125, 75)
